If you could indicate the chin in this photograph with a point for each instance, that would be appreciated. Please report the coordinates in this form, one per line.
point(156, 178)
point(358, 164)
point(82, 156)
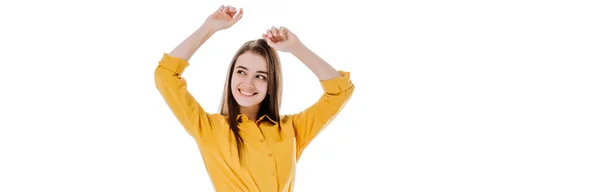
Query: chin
point(246, 103)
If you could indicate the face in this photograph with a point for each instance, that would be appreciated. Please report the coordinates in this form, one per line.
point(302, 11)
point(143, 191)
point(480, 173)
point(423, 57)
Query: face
point(249, 80)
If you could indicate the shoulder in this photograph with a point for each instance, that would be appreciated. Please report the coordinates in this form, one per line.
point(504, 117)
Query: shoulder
point(217, 119)
point(286, 118)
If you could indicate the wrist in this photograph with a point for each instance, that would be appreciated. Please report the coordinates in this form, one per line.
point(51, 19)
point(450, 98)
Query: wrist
point(208, 28)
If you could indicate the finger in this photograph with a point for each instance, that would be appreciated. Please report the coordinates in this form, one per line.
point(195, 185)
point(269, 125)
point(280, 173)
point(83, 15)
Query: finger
point(284, 32)
point(266, 37)
point(281, 31)
point(239, 15)
point(224, 15)
point(269, 41)
point(280, 35)
point(221, 8)
point(269, 33)
point(227, 9)
point(274, 31)
point(230, 11)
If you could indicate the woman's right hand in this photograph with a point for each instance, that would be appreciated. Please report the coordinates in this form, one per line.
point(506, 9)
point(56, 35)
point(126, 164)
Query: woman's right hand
point(223, 18)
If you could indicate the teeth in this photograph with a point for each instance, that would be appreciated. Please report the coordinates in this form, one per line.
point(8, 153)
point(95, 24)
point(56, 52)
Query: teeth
point(246, 93)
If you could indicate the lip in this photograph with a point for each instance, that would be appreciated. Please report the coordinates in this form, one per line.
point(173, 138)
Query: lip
point(245, 95)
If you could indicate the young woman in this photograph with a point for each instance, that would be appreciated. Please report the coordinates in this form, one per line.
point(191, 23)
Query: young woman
point(248, 146)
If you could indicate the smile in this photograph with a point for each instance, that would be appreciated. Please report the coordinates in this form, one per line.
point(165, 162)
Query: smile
point(249, 94)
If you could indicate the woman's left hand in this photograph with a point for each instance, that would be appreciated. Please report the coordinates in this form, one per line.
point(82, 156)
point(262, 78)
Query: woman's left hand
point(282, 39)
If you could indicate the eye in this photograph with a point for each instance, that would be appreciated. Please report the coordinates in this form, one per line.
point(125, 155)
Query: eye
point(241, 72)
point(261, 77)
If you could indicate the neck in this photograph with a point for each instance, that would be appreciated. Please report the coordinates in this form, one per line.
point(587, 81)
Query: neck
point(250, 112)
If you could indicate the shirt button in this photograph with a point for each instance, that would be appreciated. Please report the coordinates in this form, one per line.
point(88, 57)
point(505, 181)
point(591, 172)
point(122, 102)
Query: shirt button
point(270, 155)
point(262, 140)
point(273, 173)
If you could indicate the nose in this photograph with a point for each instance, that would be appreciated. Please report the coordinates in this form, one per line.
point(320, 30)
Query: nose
point(248, 82)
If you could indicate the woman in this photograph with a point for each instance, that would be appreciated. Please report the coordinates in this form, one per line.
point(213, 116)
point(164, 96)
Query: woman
point(248, 146)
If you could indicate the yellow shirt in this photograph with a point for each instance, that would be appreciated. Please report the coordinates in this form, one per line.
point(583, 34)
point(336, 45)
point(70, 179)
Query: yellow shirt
point(270, 156)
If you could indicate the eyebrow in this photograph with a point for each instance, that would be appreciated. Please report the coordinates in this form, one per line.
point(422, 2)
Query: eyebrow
point(257, 71)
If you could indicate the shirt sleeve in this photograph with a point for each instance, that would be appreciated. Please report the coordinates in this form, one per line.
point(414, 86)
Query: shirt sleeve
point(308, 123)
point(173, 89)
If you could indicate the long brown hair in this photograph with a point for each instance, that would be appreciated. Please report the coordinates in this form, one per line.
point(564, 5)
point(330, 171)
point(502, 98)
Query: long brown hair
point(270, 105)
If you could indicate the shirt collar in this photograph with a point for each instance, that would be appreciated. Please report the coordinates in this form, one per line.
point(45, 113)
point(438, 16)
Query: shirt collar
point(262, 118)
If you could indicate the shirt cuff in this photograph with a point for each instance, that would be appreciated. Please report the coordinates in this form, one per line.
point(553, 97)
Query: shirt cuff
point(174, 64)
point(338, 84)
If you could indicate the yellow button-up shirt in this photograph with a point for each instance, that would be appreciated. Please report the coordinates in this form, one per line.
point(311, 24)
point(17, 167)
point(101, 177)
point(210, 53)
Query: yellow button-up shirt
point(270, 156)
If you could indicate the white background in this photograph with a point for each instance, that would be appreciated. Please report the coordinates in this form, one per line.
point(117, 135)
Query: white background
point(450, 95)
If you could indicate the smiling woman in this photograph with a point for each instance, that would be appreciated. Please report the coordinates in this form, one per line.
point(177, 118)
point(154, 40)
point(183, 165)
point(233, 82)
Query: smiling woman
point(248, 145)
point(249, 88)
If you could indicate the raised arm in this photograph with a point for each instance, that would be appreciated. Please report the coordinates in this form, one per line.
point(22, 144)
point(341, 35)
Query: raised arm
point(337, 87)
point(173, 87)
point(221, 19)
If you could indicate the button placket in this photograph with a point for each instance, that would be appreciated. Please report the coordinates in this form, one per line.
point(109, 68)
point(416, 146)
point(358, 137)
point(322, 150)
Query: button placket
point(271, 157)
point(268, 149)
